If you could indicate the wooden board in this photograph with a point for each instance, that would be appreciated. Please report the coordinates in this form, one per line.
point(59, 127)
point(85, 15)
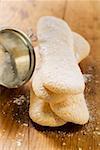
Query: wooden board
point(17, 132)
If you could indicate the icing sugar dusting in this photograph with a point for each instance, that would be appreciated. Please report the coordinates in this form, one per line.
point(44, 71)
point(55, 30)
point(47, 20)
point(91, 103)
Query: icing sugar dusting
point(87, 77)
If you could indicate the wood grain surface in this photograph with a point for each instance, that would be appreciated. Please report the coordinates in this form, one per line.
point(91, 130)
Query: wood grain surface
point(17, 131)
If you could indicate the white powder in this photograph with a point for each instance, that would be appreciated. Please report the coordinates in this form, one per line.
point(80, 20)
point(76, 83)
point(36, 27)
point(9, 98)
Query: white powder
point(87, 77)
point(20, 100)
point(8, 72)
point(14, 59)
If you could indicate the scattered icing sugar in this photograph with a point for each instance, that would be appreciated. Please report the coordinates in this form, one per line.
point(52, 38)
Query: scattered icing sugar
point(19, 139)
point(25, 124)
point(18, 143)
point(31, 35)
point(87, 77)
point(20, 100)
